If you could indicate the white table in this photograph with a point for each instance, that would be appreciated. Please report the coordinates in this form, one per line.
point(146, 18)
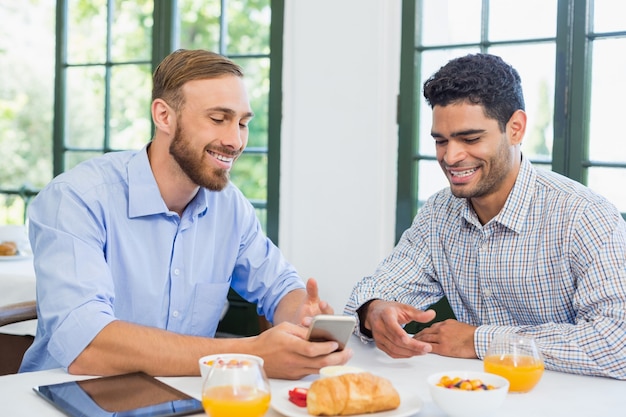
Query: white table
point(17, 284)
point(557, 394)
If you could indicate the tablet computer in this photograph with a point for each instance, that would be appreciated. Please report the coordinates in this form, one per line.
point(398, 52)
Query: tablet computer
point(136, 394)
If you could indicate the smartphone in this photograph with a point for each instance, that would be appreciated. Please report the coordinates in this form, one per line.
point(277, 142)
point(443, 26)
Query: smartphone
point(327, 327)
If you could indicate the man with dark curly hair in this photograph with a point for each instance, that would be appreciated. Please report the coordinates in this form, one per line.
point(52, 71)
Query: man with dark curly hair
point(514, 249)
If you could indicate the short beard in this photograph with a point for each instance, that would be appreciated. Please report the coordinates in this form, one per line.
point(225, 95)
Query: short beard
point(214, 179)
point(490, 184)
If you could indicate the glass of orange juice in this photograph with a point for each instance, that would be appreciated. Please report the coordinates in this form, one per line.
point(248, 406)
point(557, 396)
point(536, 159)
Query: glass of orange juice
point(517, 359)
point(236, 387)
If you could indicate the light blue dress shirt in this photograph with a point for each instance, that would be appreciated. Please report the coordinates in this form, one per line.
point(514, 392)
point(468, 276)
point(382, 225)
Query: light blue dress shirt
point(106, 247)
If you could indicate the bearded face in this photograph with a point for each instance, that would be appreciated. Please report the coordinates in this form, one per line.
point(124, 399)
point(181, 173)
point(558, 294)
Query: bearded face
point(479, 160)
point(211, 130)
point(493, 169)
point(194, 162)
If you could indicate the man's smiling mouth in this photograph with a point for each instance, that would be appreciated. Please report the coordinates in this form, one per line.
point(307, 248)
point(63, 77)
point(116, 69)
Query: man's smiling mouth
point(461, 174)
point(221, 157)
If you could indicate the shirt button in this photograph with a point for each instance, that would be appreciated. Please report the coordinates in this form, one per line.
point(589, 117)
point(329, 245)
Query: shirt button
point(177, 271)
point(487, 292)
point(175, 314)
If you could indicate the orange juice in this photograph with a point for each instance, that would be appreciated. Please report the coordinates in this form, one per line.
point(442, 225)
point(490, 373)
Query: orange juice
point(224, 401)
point(523, 372)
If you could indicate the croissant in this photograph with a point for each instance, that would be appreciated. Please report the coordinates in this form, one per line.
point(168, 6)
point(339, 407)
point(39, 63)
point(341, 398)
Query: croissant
point(350, 394)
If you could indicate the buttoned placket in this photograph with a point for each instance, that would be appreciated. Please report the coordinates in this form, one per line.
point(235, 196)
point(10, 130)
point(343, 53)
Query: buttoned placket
point(177, 291)
point(484, 273)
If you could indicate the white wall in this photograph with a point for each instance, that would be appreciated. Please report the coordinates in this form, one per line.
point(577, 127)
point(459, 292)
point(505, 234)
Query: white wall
point(339, 139)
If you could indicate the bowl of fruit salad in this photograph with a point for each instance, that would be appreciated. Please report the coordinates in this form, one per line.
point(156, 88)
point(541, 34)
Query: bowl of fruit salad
point(468, 393)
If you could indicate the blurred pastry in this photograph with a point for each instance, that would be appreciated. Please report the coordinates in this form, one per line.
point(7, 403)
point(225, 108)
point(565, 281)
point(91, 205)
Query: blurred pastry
point(8, 248)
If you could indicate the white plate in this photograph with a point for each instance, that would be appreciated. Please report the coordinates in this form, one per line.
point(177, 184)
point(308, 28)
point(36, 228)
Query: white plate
point(18, 257)
point(409, 405)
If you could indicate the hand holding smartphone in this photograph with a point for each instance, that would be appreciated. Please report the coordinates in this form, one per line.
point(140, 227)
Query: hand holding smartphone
point(327, 327)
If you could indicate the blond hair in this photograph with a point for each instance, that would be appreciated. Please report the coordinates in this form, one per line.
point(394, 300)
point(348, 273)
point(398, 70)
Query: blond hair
point(185, 65)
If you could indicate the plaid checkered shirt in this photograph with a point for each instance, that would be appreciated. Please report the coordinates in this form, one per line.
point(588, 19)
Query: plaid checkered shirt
point(551, 265)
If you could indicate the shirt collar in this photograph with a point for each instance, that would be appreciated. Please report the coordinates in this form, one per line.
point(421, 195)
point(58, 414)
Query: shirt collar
point(515, 211)
point(513, 214)
point(144, 196)
point(199, 205)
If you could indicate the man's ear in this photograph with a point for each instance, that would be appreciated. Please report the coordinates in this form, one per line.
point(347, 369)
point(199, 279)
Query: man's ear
point(516, 127)
point(163, 116)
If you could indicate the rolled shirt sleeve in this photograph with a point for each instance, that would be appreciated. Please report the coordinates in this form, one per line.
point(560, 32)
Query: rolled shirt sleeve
point(107, 248)
point(551, 265)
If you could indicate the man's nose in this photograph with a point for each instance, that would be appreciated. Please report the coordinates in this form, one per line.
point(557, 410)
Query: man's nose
point(455, 152)
point(233, 137)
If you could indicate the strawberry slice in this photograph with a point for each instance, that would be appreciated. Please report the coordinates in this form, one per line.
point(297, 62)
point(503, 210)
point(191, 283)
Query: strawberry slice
point(298, 396)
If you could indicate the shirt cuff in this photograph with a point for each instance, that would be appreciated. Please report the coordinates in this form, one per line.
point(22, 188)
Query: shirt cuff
point(483, 336)
point(76, 332)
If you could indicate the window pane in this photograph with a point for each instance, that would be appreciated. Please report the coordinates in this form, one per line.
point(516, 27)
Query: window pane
point(608, 69)
point(608, 16)
point(131, 31)
point(248, 23)
point(431, 179)
point(528, 19)
point(12, 209)
point(249, 173)
point(257, 79)
point(130, 121)
point(604, 180)
point(449, 21)
point(538, 84)
point(85, 107)
point(199, 24)
point(246, 32)
point(74, 158)
point(87, 31)
point(540, 165)
point(261, 213)
point(26, 93)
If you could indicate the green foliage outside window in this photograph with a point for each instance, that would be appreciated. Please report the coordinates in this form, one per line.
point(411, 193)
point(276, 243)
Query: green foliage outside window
point(26, 95)
point(108, 83)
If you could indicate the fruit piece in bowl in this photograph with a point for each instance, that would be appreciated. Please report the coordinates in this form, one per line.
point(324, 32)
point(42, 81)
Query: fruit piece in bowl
point(468, 393)
point(206, 362)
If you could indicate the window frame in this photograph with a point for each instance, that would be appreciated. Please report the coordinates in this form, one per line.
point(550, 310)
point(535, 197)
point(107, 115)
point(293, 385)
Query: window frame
point(574, 41)
point(165, 40)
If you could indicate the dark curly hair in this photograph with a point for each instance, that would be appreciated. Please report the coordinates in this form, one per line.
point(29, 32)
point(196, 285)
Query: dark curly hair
point(479, 79)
